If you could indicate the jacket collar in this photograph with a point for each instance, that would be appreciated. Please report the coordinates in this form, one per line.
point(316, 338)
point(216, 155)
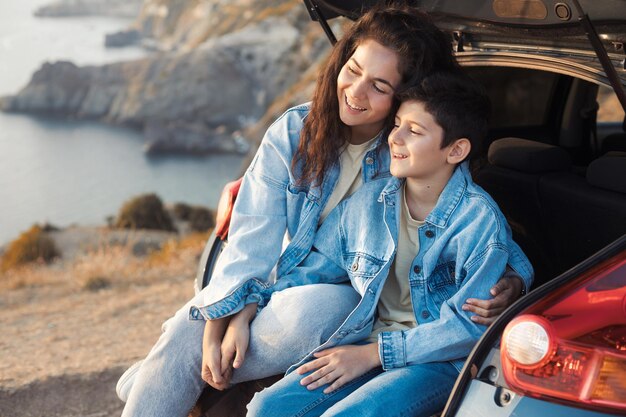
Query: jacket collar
point(381, 139)
point(448, 200)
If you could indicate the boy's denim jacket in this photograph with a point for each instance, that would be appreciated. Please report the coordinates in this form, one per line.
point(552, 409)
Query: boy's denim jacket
point(465, 245)
point(270, 203)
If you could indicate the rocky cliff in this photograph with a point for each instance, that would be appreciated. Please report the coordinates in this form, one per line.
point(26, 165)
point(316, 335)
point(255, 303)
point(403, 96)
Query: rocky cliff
point(71, 8)
point(221, 66)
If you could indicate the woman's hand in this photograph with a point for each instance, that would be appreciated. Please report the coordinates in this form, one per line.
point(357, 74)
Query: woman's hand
point(223, 339)
point(339, 365)
point(505, 292)
point(237, 337)
point(212, 372)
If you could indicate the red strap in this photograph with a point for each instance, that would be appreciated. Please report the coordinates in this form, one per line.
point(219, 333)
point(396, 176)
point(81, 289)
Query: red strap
point(225, 208)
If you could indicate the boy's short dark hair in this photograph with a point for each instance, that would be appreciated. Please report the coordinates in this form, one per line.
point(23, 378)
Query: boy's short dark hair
point(458, 104)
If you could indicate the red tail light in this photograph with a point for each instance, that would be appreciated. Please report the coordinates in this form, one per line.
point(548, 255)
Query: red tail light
point(571, 345)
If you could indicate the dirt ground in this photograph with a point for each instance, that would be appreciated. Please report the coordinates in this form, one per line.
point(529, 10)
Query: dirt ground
point(63, 345)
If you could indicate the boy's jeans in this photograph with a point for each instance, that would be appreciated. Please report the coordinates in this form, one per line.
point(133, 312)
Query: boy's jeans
point(415, 390)
point(296, 321)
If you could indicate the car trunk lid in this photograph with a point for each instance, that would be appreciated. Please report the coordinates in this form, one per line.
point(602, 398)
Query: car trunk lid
point(551, 29)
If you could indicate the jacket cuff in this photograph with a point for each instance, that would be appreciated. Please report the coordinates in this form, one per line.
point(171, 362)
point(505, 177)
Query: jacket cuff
point(252, 291)
point(391, 349)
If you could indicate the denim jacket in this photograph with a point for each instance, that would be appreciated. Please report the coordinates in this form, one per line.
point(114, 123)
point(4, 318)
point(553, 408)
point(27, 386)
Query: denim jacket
point(269, 205)
point(465, 245)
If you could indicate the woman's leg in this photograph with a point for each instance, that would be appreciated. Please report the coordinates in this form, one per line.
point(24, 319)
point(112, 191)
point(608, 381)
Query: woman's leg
point(417, 390)
point(168, 382)
point(296, 321)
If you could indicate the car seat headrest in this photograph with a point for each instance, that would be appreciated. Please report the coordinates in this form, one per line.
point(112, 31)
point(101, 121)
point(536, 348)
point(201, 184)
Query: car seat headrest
point(528, 156)
point(608, 172)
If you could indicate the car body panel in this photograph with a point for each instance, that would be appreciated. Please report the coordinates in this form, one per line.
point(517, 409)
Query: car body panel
point(485, 400)
point(484, 358)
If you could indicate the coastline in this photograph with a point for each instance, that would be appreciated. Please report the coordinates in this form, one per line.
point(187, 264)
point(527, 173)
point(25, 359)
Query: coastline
point(81, 172)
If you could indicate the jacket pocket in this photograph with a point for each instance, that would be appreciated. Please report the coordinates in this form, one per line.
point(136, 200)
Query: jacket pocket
point(362, 265)
point(299, 202)
point(442, 283)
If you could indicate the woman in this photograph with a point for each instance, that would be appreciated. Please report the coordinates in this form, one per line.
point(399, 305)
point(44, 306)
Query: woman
point(310, 159)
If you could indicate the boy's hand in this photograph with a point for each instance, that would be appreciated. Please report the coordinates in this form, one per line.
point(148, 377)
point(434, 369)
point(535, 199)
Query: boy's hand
point(339, 365)
point(505, 292)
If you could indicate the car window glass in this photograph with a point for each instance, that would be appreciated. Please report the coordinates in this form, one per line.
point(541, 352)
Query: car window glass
point(519, 97)
point(610, 110)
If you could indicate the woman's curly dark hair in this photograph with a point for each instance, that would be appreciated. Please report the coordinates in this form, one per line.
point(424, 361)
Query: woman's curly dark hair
point(421, 48)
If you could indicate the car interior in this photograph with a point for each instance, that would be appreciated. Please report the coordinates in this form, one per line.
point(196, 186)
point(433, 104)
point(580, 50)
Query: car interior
point(554, 164)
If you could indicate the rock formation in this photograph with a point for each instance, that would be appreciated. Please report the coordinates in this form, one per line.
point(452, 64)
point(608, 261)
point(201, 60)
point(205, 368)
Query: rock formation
point(122, 38)
point(72, 8)
point(223, 64)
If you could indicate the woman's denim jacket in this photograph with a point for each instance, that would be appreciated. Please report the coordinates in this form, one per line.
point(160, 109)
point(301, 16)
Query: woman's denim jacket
point(465, 246)
point(270, 203)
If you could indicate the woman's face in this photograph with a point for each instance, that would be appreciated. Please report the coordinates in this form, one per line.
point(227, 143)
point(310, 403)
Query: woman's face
point(365, 88)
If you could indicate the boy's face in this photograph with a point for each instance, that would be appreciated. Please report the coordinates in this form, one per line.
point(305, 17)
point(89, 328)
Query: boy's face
point(415, 144)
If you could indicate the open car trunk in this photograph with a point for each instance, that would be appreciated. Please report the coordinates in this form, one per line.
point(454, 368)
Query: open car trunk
point(557, 171)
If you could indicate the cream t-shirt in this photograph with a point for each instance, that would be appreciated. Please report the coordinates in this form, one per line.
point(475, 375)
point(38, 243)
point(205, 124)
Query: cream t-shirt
point(395, 309)
point(350, 178)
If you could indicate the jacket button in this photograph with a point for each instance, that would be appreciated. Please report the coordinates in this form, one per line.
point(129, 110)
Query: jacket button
point(429, 233)
point(355, 266)
point(425, 314)
point(417, 269)
point(369, 160)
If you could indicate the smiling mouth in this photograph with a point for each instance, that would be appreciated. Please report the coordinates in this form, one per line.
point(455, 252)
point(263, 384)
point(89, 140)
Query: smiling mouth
point(399, 156)
point(352, 106)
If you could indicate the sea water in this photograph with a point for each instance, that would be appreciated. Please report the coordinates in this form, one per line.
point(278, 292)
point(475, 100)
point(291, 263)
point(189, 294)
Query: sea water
point(65, 172)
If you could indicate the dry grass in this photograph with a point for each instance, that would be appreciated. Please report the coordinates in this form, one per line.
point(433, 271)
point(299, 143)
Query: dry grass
point(178, 257)
point(34, 245)
point(112, 264)
point(97, 311)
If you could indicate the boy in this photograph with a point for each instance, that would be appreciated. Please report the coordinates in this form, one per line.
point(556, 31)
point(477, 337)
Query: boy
point(415, 247)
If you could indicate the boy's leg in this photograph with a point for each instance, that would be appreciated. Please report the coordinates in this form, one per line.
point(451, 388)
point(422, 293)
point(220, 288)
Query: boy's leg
point(417, 390)
point(296, 321)
point(287, 398)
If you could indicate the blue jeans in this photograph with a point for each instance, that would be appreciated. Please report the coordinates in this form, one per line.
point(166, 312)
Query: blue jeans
point(296, 321)
point(414, 390)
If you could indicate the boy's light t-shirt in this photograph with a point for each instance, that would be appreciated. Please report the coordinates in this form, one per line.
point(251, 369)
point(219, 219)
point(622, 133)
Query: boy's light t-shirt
point(395, 309)
point(350, 178)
